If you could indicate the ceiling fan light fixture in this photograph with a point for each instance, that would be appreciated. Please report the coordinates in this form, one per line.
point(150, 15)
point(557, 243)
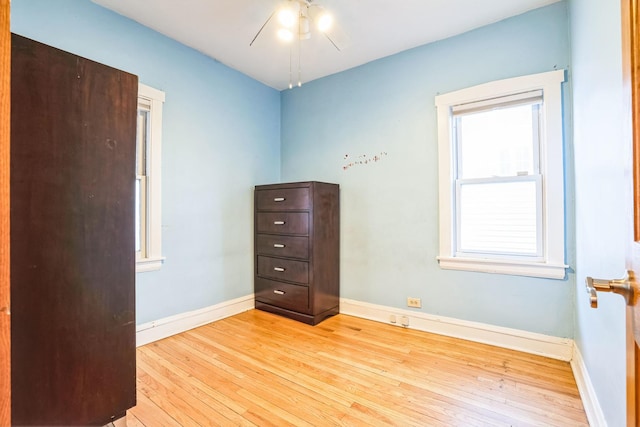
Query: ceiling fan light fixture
point(285, 34)
point(288, 14)
point(322, 18)
point(325, 22)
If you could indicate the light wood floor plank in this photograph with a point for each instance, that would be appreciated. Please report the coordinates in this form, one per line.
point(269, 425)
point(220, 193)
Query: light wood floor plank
point(239, 384)
point(356, 364)
point(195, 402)
point(388, 387)
point(149, 414)
point(215, 380)
point(132, 420)
point(272, 368)
point(186, 374)
point(259, 369)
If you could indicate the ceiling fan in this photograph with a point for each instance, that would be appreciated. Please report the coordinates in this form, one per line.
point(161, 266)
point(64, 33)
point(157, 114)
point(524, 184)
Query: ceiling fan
point(295, 18)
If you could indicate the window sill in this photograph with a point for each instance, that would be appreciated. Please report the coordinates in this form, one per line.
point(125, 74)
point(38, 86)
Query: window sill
point(149, 264)
point(516, 268)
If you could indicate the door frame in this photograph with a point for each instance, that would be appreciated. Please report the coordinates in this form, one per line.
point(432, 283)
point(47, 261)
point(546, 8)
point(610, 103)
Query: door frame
point(5, 283)
point(631, 120)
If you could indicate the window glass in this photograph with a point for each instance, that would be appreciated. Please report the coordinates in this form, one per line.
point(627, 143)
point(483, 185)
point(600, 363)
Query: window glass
point(497, 210)
point(148, 193)
point(141, 172)
point(499, 218)
point(138, 219)
point(498, 142)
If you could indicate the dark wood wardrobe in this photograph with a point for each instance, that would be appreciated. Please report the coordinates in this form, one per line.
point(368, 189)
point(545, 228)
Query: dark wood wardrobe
point(73, 133)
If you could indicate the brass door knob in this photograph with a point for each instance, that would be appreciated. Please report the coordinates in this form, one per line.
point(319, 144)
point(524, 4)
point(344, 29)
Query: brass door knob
point(617, 286)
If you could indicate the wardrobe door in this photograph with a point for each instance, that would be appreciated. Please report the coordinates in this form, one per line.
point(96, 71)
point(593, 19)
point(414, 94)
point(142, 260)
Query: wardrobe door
point(73, 133)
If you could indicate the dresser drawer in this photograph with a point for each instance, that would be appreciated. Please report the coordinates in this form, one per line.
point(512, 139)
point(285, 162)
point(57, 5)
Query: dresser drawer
point(283, 269)
point(285, 199)
point(285, 246)
point(285, 295)
point(282, 222)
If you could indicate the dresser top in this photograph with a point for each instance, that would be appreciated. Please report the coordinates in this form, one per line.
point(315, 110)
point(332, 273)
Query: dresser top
point(294, 185)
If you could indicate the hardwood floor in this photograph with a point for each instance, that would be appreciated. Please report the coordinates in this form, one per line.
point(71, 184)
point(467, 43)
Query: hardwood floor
point(259, 369)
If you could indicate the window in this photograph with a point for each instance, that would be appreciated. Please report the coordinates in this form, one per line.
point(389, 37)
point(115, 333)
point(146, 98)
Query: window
point(148, 167)
point(501, 177)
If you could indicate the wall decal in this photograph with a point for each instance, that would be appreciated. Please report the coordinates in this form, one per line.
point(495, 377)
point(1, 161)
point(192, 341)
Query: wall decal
point(362, 160)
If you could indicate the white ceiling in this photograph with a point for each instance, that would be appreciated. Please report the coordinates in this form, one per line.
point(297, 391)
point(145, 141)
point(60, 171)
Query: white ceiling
point(368, 30)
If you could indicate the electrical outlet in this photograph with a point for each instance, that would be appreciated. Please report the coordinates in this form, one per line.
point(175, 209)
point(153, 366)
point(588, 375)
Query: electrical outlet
point(414, 302)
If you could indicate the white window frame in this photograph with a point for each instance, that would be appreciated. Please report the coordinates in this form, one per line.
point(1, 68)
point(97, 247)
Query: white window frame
point(551, 263)
point(153, 100)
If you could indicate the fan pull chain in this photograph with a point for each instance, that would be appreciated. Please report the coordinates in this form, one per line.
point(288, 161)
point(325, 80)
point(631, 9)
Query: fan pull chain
point(299, 62)
point(290, 67)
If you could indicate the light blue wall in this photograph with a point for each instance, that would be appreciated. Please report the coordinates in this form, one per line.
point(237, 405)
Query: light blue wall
point(602, 207)
point(390, 207)
point(221, 136)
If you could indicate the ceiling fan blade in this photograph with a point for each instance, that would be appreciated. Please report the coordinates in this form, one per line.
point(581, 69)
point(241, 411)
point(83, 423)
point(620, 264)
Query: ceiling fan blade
point(262, 28)
point(337, 37)
point(332, 42)
point(332, 32)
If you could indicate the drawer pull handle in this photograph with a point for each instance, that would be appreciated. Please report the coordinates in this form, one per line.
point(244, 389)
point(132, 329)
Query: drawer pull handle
point(278, 292)
point(278, 245)
point(279, 199)
point(278, 268)
point(278, 222)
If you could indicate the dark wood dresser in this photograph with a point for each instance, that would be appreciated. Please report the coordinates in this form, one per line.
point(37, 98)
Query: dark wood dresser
point(297, 250)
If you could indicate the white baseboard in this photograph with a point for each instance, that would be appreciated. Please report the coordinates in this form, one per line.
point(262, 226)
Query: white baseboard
point(163, 328)
point(592, 408)
point(529, 342)
point(515, 339)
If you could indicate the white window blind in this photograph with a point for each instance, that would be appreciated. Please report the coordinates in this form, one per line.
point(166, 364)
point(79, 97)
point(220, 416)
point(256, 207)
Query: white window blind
point(530, 97)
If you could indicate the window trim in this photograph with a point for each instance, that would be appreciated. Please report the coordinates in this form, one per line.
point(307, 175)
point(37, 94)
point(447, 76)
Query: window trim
point(551, 169)
point(153, 260)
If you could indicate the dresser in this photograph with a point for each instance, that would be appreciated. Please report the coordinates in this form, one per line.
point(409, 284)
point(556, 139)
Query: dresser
point(297, 250)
